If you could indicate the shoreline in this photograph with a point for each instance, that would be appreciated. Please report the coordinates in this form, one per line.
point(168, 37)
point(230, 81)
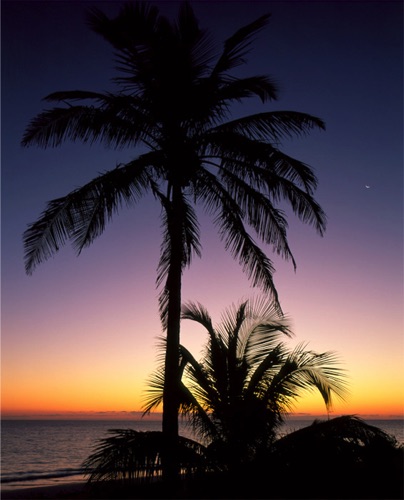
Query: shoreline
point(65, 491)
point(111, 490)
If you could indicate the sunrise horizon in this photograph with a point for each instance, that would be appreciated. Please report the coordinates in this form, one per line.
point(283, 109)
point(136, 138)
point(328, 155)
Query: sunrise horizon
point(394, 413)
point(77, 398)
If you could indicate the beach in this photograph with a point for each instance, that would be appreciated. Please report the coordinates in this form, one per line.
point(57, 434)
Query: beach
point(81, 491)
point(209, 487)
point(61, 491)
point(369, 484)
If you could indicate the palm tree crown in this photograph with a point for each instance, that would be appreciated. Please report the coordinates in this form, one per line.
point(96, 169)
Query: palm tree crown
point(173, 96)
point(248, 379)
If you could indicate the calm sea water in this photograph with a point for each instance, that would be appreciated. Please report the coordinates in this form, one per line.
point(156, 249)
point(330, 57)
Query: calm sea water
point(49, 452)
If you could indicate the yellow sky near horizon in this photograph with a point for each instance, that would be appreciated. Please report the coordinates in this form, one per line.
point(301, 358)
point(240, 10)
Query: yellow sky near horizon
point(118, 403)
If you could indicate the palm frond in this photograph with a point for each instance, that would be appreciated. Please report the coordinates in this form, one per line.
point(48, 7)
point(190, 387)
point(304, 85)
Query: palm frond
point(196, 42)
point(255, 263)
point(306, 370)
point(258, 178)
point(263, 369)
point(260, 307)
point(153, 397)
point(190, 405)
point(200, 378)
point(261, 86)
point(81, 216)
point(78, 95)
point(44, 237)
point(303, 205)
point(273, 126)
point(204, 428)
point(215, 367)
point(263, 326)
point(285, 167)
point(235, 47)
point(256, 161)
point(262, 339)
point(231, 321)
point(193, 406)
point(135, 26)
point(114, 120)
point(269, 222)
point(347, 434)
point(129, 455)
point(209, 381)
point(229, 330)
point(195, 311)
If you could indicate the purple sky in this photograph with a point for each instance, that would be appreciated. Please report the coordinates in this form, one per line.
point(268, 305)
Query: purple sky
point(80, 333)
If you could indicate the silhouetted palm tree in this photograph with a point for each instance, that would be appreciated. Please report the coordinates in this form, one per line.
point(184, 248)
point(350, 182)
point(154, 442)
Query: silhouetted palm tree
point(247, 380)
point(129, 456)
point(174, 97)
point(343, 457)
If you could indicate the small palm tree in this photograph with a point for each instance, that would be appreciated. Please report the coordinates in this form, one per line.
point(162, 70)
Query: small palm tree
point(174, 98)
point(239, 393)
point(343, 457)
point(129, 456)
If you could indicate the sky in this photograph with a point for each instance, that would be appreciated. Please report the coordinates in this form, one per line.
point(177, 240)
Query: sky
point(79, 336)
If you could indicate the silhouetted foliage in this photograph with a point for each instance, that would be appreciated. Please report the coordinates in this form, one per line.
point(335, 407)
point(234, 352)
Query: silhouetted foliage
point(236, 398)
point(173, 96)
point(128, 455)
point(237, 395)
point(343, 457)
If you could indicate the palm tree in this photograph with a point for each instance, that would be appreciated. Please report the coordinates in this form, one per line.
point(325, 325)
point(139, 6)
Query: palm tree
point(173, 96)
point(346, 457)
point(238, 394)
point(129, 456)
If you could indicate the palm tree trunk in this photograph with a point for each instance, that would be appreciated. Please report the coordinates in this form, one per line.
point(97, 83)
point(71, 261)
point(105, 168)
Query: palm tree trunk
point(170, 459)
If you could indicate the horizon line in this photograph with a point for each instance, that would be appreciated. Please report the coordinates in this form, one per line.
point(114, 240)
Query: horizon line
point(157, 416)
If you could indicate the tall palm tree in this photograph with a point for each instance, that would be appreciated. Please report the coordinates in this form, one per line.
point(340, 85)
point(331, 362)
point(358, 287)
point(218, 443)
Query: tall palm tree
point(247, 380)
point(173, 96)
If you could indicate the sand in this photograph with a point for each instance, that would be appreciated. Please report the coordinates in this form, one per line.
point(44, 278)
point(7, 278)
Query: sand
point(81, 491)
point(63, 491)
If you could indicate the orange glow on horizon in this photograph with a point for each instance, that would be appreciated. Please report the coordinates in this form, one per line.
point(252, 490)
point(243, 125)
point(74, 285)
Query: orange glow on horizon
point(117, 394)
point(306, 409)
point(369, 413)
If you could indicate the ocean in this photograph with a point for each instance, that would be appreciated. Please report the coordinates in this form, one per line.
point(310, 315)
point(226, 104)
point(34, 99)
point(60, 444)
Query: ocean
point(50, 452)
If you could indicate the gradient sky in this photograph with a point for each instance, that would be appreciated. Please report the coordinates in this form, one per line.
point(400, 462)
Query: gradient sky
point(79, 335)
